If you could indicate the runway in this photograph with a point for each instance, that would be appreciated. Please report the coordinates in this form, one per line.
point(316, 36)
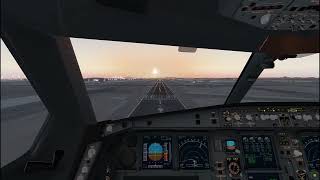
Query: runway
point(159, 99)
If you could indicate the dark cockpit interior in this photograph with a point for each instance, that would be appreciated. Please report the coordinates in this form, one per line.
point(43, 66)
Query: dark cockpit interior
point(162, 139)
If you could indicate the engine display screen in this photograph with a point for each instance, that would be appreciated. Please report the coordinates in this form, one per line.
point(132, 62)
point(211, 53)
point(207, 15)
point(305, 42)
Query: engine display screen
point(157, 152)
point(193, 152)
point(258, 152)
point(312, 149)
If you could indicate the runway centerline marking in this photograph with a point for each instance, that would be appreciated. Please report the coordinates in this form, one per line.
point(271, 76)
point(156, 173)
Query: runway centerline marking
point(159, 98)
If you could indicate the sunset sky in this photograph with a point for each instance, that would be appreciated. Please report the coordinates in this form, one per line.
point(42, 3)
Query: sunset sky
point(99, 58)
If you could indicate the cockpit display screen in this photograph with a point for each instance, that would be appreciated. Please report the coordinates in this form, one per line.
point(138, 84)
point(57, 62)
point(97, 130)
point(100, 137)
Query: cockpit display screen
point(193, 152)
point(312, 150)
point(231, 145)
point(258, 152)
point(157, 152)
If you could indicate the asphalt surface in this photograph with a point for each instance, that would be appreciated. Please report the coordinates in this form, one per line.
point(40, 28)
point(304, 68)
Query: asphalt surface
point(159, 99)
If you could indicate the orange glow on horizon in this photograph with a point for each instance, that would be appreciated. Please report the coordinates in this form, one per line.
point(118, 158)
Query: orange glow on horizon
point(99, 58)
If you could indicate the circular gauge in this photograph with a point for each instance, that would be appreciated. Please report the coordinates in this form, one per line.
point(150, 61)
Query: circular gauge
point(312, 150)
point(193, 152)
point(155, 152)
point(234, 168)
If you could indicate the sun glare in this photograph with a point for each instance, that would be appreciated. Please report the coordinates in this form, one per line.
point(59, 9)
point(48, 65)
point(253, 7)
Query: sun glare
point(155, 71)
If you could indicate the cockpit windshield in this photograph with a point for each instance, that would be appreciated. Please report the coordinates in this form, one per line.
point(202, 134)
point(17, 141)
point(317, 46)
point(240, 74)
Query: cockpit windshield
point(133, 79)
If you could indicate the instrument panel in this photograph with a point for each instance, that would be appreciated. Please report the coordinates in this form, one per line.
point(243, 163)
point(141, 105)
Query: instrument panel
point(292, 15)
point(229, 155)
point(214, 143)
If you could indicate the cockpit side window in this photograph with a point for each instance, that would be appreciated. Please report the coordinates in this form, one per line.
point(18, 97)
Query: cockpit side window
point(291, 80)
point(22, 111)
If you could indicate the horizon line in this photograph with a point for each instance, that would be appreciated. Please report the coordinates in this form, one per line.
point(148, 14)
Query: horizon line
point(128, 77)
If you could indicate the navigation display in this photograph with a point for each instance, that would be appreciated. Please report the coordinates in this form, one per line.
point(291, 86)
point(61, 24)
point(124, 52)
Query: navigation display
point(312, 149)
point(193, 152)
point(157, 152)
point(258, 152)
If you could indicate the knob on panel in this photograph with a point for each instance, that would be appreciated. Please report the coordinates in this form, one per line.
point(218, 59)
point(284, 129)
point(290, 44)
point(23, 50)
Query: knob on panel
point(306, 117)
point(274, 117)
point(298, 116)
point(237, 117)
point(91, 153)
point(263, 117)
point(228, 118)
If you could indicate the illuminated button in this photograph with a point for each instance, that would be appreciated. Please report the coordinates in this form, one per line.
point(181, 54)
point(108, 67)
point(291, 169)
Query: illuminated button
point(109, 129)
point(298, 116)
point(91, 152)
point(249, 117)
point(265, 19)
point(266, 139)
point(314, 174)
point(237, 151)
point(245, 139)
point(273, 117)
point(84, 170)
point(297, 153)
point(80, 177)
point(306, 117)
